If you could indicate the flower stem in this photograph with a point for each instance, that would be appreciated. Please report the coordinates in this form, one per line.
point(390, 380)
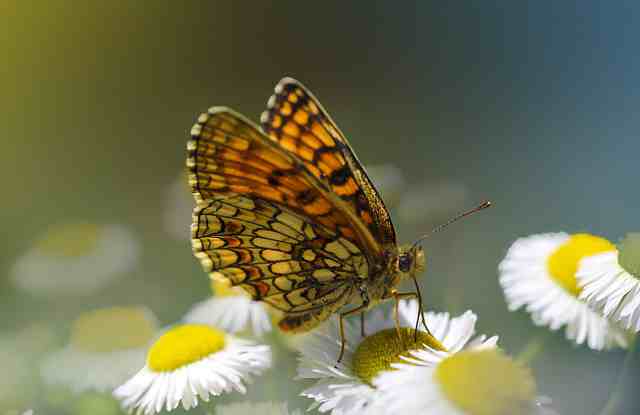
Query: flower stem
point(611, 407)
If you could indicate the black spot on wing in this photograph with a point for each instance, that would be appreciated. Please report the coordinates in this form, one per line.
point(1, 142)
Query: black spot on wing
point(340, 176)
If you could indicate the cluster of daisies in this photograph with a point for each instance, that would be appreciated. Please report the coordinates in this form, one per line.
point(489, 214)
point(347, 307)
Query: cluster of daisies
point(389, 370)
point(582, 283)
point(218, 348)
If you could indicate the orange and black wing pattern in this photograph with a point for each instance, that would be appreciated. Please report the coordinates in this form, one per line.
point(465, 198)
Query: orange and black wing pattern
point(297, 121)
point(227, 154)
point(294, 265)
point(265, 223)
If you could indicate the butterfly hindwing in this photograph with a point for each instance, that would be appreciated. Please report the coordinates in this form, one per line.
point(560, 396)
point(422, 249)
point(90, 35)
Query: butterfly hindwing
point(300, 268)
point(298, 122)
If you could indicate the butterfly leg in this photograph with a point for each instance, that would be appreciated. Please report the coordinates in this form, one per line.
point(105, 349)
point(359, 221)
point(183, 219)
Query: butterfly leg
point(364, 295)
point(420, 311)
point(397, 296)
point(358, 310)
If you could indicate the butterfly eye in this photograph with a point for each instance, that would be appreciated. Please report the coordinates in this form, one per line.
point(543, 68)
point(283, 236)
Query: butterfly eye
point(404, 262)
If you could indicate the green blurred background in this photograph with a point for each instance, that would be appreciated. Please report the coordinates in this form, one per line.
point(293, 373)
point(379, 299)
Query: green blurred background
point(530, 104)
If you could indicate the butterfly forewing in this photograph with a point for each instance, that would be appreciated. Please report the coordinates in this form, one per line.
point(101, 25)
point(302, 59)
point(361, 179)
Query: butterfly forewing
point(229, 155)
point(298, 122)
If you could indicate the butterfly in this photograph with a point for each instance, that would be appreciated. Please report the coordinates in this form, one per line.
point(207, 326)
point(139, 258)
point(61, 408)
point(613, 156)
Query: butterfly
point(287, 212)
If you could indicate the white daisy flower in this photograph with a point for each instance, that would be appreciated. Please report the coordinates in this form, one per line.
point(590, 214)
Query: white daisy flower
point(17, 380)
point(610, 282)
point(191, 362)
point(476, 379)
point(75, 259)
point(107, 346)
point(346, 387)
point(178, 207)
point(20, 351)
point(260, 408)
point(232, 310)
point(539, 273)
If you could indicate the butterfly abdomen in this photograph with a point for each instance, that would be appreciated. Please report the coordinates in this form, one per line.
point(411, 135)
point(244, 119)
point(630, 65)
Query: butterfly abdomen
point(302, 322)
point(298, 324)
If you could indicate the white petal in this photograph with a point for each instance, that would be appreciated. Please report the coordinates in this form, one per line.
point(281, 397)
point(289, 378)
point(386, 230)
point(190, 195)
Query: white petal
point(609, 288)
point(82, 371)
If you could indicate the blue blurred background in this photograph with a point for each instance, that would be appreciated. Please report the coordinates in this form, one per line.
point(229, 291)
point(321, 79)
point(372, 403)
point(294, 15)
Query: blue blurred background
point(530, 104)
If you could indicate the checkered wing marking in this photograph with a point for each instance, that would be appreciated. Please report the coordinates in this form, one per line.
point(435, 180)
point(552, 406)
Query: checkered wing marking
point(227, 154)
point(298, 267)
point(298, 122)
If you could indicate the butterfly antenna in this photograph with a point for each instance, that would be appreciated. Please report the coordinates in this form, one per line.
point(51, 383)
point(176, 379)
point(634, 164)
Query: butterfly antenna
point(438, 228)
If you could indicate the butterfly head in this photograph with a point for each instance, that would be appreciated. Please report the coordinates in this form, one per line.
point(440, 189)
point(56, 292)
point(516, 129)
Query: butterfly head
point(411, 261)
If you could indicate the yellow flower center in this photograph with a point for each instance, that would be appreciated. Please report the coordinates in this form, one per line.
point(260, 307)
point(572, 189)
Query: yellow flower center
point(69, 240)
point(184, 344)
point(378, 351)
point(112, 329)
point(563, 263)
point(629, 254)
point(486, 382)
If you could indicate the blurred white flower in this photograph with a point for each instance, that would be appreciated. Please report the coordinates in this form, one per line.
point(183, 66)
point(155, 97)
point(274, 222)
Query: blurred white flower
point(539, 273)
point(259, 408)
point(346, 388)
point(543, 406)
point(106, 347)
point(191, 362)
point(17, 379)
point(76, 258)
point(610, 282)
point(232, 310)
point(20, 351)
